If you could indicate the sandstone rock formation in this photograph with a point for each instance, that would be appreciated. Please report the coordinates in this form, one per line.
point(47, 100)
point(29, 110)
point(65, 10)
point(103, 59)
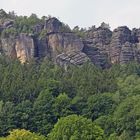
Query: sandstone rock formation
point(75, 58)
point(22, 47)
point(7, 46)
point(96, 55)
point(120, 36)
point(96, 46)
point(127, 53)
point(63, 43)
point(25, 48)
point(100, 45)
point(53, 25)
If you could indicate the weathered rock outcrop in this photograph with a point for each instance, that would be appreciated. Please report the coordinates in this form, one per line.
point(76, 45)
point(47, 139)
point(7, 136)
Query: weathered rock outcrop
point(53, 25)
point(43, 50)
point(120, 36)
point(64, 43)
point(22, 47)
point(99, 36)
point(99, 45)
point(55, 43)
point(96, 55)
point(25, 48)
point(104, 47)
point(127, 53)
point(7, 47)
point(137, 52)
point(75, 58)
point(96, 46)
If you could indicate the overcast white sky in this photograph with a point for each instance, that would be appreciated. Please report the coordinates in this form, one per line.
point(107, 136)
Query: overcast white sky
point(80, 12)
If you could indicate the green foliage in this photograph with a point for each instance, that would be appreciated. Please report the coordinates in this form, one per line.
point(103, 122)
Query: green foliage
point(21, 24)
point(25, 24)
point(23, 135)
point(65, 28)
point(62, 105)
point(35, 95)
point(43, 34)
point(3, 14)
point(81, 32)
point(9, 32)
point(76, 128)
point(101, 105)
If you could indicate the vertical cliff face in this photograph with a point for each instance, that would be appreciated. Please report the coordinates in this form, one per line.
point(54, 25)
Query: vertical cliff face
point(105, 47)
point(120, 36)
point(97, 56)
point(60, 43)
point(43, 50)
point(96, 46)
point(25, 48)
point(64, 43)
point(100, 45)
point(8, 47)
point(127, 53)
point(100, 36)
point(124, 45)
point(57, 41)
point(53, 25)
point(137, 52)
point(22, 47)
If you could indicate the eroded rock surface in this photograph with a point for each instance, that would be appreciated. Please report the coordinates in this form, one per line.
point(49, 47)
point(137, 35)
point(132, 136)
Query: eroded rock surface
point(120, 36)
point(63, 43)
point(25, 48)
point(101, 46)
point(8, 47)
point(75, 58)
point(53, 25)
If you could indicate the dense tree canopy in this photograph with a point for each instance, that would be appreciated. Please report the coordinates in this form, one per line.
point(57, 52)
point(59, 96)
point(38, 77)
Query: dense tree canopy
point(76, 128)
point(23, 135)
point(39, 96)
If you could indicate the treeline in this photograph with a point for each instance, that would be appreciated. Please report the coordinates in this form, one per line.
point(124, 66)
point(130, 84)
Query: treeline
point(31, 25)
point(34, 26)
point(44, 98)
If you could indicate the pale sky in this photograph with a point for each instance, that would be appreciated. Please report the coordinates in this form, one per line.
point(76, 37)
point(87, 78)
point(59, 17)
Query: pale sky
point(83, 13)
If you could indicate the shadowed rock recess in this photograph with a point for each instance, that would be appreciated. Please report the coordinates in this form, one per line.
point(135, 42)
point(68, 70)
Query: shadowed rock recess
point(101, 46)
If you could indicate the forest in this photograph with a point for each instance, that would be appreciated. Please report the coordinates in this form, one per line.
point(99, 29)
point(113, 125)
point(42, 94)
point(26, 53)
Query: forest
point(40, 100)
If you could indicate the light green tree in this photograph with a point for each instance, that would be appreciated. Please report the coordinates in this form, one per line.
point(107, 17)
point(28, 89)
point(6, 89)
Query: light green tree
point(75, 127)
point(23, 135)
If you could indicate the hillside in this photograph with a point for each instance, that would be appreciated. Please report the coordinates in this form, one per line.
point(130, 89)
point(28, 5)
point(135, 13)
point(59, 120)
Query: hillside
point(58, 83)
